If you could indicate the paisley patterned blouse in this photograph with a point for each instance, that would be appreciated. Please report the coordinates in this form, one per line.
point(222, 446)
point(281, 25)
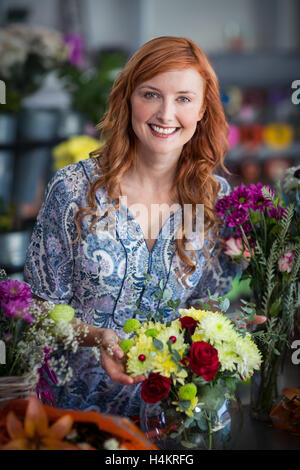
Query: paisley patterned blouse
point(103, 276)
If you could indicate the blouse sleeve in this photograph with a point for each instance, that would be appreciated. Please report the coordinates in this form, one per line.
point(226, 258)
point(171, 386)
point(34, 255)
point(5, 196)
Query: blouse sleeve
point(49, 260)
point(220, 271)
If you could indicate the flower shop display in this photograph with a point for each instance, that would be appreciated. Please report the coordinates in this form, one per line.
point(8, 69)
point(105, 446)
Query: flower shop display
point(192, 365)
point(28, 53)
point(29, 425)
point(73, 150)
point(33, 333)
point(89, 84)
point(266, 242)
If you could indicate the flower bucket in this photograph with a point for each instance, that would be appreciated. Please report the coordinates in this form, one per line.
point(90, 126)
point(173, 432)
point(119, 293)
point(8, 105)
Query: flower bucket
point(17, 387)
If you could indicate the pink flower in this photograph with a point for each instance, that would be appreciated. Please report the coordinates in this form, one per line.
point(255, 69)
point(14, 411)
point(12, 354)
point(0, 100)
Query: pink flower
point(286, 261)
point(234, 247)
point(17, 308)
point(12, 290)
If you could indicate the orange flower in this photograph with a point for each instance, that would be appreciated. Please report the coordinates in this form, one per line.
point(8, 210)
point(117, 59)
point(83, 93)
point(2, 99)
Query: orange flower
point(36, 433)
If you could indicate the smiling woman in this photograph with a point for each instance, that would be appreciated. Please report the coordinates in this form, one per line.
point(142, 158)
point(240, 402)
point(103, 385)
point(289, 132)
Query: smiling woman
point(165, 119)
point(165, 135)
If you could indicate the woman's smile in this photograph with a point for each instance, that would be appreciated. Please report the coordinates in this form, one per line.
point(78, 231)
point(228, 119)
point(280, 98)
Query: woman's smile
point(163, 132)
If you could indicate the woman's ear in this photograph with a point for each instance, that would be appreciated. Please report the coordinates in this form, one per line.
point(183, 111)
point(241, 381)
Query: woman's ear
point(201, 113)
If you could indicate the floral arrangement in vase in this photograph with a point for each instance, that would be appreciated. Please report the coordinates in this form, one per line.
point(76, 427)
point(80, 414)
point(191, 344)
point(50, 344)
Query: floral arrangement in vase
point(27, 54)
point(191, 367)
point(29, 425)
point(32, 333)
point(266, 242)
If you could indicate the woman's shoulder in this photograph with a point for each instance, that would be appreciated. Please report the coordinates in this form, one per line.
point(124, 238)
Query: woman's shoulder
point(82, 169)
point(74, 177)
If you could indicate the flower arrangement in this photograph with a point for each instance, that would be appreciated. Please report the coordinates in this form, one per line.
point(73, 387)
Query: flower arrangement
point(33, 332)
point(27, 54)
point(192, 365)
point(29, 425)
point(73, 150)
point(266, 242)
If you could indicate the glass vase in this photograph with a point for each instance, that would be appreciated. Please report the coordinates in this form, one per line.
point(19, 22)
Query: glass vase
point(264, 391)
point(219, 430)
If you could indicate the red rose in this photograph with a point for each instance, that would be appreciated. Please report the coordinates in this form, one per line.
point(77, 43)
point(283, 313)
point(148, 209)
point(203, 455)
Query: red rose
point(155, 388)
point(203, 360)
point(189, 323)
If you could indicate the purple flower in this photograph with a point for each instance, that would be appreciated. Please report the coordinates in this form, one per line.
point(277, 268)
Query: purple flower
point(246, 227)
point(260, 203)
point(241, 197)
point(276, 212)
point(223, 205)
point(17, 309)
point(238, 217)
point(11, 290)
point(75, 43)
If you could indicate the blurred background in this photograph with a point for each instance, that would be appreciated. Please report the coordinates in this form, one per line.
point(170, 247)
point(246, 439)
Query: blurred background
point(59, 58)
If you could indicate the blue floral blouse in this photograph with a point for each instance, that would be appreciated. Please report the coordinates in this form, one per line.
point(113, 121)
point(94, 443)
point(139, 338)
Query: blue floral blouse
point(103, 276)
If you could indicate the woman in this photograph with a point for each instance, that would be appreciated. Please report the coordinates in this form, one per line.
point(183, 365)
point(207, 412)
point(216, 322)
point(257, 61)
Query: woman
point(165, 134)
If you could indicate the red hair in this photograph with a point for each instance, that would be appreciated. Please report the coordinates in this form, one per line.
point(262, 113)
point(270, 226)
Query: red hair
point(194, 182)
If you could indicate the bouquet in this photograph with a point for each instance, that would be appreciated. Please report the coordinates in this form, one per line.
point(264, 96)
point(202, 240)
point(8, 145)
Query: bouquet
point(266, 242)
point(33, 333)
point(192, 365)
point(29, 425)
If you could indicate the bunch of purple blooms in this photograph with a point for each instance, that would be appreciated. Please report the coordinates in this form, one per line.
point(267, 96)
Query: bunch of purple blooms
point(242, 201)
point(15, 300)
point(33, 333)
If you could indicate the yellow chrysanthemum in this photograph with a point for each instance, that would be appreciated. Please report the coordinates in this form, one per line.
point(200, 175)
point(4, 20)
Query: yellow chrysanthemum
point(227, 357)
point(217, 328)
point(143, 346)
point(250, 356)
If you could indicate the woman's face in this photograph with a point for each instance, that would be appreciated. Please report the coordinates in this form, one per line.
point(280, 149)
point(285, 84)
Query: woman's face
point(165, 111)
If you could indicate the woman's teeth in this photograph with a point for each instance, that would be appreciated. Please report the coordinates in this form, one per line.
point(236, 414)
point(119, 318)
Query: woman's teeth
point(161, 130)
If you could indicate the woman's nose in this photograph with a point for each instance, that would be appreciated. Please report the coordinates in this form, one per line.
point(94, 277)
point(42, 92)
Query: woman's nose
point(166, 111)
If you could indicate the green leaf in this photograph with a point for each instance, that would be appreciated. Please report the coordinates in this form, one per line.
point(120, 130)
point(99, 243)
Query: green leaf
point(200, 381)
point(161, 284)
point(166, 295)
point(188, 445)
point(224, 305)
point(202, 423)
point(275, 308)
point(157, 344)
point(176, 356)
point(231, 384)
point(184, 404)
point(212, 397)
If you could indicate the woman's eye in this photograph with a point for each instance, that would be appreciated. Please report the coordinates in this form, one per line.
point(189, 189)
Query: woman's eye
point(184, 99)
point(150, 94)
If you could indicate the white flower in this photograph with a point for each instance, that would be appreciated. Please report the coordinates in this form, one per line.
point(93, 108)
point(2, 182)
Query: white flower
point(216, 328)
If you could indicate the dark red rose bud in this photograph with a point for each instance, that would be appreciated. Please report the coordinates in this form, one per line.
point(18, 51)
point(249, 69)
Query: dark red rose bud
point(173, 339)
point(155, 388)
point(189, 323)
point(142, 357)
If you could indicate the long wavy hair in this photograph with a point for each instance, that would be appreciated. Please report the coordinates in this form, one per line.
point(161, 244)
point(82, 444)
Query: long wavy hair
point(194, 182)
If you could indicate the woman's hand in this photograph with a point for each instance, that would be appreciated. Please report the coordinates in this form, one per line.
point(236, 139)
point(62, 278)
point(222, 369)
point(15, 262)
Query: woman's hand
point(113, 360)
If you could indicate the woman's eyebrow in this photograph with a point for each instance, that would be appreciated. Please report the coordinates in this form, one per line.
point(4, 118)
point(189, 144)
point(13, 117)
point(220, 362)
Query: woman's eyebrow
point(157, 89)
